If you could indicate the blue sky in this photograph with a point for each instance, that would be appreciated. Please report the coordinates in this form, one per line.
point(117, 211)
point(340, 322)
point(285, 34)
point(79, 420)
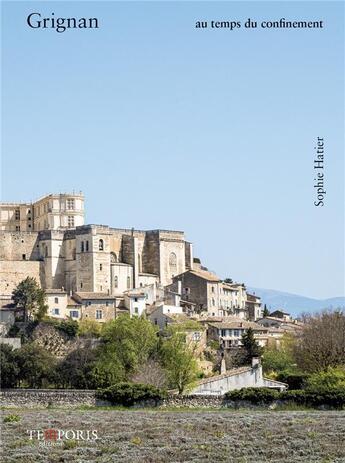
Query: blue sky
point(207, 131)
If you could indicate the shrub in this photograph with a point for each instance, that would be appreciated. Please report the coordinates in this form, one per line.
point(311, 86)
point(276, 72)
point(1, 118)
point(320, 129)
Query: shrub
point(13, 331)
point(11, 418)
point(70, 327)
point(255, 395)
point(293, 380)
point(89, 328)
point(334, 398)
point(128, 394)
point(326, 381)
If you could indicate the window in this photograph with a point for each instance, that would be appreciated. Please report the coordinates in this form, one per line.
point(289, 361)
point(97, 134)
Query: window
point(236, 333)
point(135, 299)
point(82, 246)
point(101, 267)
point(196, 336)
point(213, 289)
point(56, 300)
point(99, 314)
point(113, 258)
point(17, 228)
point(172, 262)
point(101, 245)
point(29, 225)
point(116, 282)
point(70, 204)
point(107, 303)
point(17, 214)
point(74, 313)
point(81, 285)
point(86, 246)
point(24, 256)
point(156, 322)
point(70, 221)
point(56, 312)
point(128, 282)
point(223, 333)
point(101, 288)
point(136, 310)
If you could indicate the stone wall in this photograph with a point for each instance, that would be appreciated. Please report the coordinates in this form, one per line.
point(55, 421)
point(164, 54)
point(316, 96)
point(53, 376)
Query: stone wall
point(13, 272)
point(16, 245)
point(73, 398)
point(48, 397)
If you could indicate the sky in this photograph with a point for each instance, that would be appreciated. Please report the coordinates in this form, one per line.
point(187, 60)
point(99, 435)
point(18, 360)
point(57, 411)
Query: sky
point(163, 125)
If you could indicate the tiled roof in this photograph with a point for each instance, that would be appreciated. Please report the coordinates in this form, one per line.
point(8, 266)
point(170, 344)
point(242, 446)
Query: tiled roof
point(55, 291)
point(94, 296)
point(234, 371)
point(237, 324)
point(209, 276)
point(252, 297)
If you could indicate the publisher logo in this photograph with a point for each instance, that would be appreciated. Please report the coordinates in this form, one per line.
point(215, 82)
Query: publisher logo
point(56, 437)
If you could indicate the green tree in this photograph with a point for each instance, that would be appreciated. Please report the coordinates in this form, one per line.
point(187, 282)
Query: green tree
point(179, 362)
point(277, 360)
point(37, 366)
point(9, 366)
point(128, 343)
point(250, 346)
point(325, 381)
point(280, 359)
point(108, 369)
point(265, 312)
point(321, 343)
point(29, 296)
point(89, 328)
point(76, 370)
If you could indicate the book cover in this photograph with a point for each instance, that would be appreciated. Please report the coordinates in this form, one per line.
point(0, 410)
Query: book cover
point(172, 231)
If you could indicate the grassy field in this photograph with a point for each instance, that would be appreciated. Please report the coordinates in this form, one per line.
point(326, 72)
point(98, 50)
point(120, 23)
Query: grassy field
point(152, 436)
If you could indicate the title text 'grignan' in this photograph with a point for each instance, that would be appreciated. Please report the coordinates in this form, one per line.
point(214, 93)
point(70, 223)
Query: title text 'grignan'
point(36, 21)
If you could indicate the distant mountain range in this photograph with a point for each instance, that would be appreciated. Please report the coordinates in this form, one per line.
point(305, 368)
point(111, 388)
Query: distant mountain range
point(295, 304)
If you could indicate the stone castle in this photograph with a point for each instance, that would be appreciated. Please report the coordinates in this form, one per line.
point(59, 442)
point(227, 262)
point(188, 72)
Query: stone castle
point(47, 239)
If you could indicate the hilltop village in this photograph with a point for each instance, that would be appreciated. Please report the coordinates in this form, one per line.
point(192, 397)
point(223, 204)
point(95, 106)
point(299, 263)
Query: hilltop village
point(96, 272)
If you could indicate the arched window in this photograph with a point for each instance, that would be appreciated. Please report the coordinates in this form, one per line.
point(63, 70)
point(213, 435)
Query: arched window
point(82, 246)
point(113, 258)
point(46, 251)
point(172, 262)
point(86, 246)
point(116, 282)
point(128, 282)
point(101, 245)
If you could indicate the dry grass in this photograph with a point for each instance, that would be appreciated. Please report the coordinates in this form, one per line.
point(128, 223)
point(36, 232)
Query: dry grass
point(153, 436)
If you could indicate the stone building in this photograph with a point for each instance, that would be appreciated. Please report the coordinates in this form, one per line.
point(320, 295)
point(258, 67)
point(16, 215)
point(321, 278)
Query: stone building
point(229, 332)
point(254, 307)
point(210, 294)
point(64, 254)
point(51, 212)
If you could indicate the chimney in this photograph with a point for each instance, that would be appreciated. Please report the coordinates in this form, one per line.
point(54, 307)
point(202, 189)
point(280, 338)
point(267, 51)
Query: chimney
point(222, 366)
point(179, 287)
point(256, 362)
